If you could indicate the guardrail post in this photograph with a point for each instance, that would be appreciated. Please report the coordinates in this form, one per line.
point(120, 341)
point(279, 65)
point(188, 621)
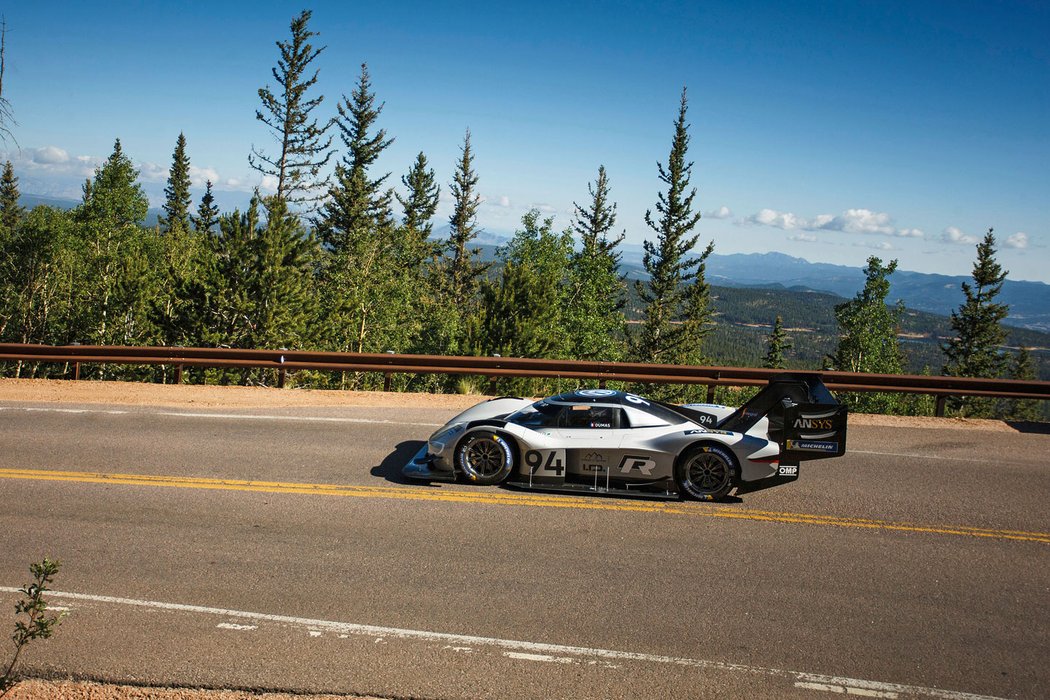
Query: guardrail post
point(76, 370)
point(710, 393)
point(387, 377)
point(601, 383)
point(178, 374)
point(281, 374)
point(939, 409)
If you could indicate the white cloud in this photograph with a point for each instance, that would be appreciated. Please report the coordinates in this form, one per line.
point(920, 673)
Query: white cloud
point(1019, 240)
point(503, 201)
point(956, 237)
point(151, 172)
point(269, 183)
point(803, 238)
point(875, 245)
point(910, 233)
point(723, 212)
point(544, 208)
point(49, 155)
point(200, 176)
point(859, 221)
point(779, 219)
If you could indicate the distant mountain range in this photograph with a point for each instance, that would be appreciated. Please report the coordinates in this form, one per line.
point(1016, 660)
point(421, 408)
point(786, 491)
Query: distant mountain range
point(938, 294)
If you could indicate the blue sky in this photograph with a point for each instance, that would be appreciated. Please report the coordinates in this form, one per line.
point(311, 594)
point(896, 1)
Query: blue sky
point(830, 131)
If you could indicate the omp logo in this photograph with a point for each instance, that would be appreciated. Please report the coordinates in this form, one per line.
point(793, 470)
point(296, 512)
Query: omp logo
point(814, 423)
point(643, 464)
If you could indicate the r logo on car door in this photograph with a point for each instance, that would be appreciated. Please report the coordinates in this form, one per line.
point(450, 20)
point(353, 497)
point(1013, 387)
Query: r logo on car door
point(643, 464)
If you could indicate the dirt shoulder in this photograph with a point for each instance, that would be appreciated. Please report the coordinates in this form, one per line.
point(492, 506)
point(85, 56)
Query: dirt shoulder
point(33, 689)
point(196, 396)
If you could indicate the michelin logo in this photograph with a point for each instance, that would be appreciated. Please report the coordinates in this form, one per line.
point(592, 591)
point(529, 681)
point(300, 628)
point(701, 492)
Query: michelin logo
point(812, 446)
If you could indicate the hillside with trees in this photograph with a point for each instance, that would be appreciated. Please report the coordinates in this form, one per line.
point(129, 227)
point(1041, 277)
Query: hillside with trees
point(350, 263)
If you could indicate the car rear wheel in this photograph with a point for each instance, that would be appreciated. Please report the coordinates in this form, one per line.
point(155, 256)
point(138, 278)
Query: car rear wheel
point(485, 457)
point(706, 472)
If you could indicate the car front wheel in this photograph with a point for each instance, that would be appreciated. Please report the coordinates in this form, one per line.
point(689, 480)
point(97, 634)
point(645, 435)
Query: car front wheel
point(485, 458)
point(706, 472)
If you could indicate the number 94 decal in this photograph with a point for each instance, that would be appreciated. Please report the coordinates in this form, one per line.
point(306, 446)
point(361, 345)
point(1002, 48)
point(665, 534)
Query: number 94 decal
point(545, 462)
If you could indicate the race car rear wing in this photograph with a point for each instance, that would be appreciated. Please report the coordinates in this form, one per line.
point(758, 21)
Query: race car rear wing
point(807, 421)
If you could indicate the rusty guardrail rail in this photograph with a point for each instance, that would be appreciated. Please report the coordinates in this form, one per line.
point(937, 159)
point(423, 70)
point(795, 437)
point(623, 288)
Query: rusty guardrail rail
point(284, 361)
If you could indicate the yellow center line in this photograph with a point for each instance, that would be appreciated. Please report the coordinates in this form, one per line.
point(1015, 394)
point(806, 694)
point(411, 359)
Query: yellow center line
point(446, 495)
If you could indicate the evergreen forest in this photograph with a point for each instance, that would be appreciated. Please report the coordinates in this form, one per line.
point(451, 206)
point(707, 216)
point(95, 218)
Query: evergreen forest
point(340, 257)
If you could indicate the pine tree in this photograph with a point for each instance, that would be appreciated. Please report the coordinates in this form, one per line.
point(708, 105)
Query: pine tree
point(121, 274)
point(463, 270)
point(356, 202)
point(524, 310)
point(778, 345)
point(303, 148)
point(10, 211)
point(868, 336)
point(450, 304)
point(974, 351)
point(420, 204)
point(207, 213)
point(283, 290)
point(1023, 368)
point(597, 293)
point(226, 297)
point(183, 250)
point(676, 297)
point(979, 334)
point(261, 291)
point(177, 198)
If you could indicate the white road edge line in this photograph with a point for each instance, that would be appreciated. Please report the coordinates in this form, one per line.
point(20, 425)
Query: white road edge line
point(916, 456)
point(227, 416)
point(851, 685)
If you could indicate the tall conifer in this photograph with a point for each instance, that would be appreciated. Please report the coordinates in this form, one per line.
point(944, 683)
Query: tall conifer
point(974, 351)
point(463, 270)
point(177, 197)
point(356, 201)
point(676, 297)
point(121, 270)
point(10, 211)
point(597, 293)
point(421, 201)
point(207, 213)
point(302, 149)
point(778, 344)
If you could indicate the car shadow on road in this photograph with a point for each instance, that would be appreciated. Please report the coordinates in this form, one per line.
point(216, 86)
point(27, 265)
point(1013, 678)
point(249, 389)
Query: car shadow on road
point(1028, 426)
point(390, 467)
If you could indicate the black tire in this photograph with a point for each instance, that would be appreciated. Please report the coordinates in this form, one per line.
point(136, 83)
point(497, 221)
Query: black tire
point(485, 457)
point(706, 472)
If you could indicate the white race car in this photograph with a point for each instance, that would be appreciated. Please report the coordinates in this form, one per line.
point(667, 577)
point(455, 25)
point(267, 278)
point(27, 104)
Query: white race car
point(611, 442)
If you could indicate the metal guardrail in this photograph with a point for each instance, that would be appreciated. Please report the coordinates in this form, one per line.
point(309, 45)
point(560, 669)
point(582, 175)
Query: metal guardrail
point(388, 364)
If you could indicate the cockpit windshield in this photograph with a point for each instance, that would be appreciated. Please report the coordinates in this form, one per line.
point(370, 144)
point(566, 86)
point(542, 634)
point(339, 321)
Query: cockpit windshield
point(538, 415)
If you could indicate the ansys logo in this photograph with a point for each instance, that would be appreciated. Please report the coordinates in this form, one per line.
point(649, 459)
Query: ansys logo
point(814, 423)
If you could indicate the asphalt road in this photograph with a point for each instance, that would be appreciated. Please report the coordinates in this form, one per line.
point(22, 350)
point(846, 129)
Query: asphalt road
point(280, 550)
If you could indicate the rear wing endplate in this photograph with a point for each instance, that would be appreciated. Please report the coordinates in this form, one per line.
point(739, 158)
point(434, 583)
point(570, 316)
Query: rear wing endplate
point(804, 418)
